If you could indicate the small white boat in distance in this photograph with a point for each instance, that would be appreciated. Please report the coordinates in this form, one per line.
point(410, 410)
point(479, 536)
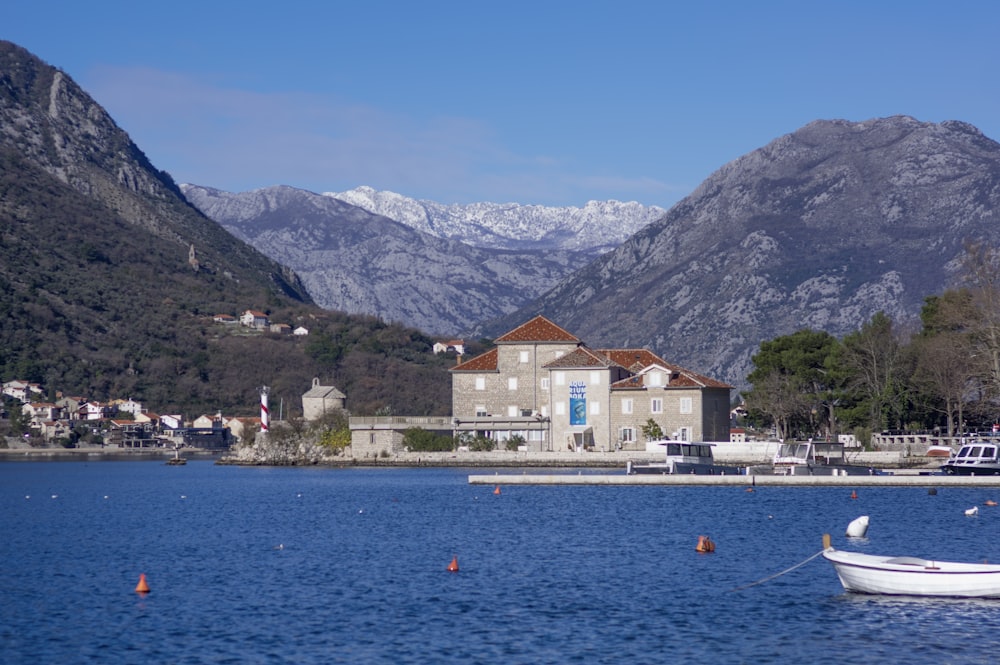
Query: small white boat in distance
point(682, 457)
point(912, 576)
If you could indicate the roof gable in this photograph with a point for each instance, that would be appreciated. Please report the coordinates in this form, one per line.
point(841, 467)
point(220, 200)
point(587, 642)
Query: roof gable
point(580, 357)
point(538, 329)
point(486, 362)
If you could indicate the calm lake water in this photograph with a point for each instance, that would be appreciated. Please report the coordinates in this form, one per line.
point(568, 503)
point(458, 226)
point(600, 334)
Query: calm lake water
point(288, 565)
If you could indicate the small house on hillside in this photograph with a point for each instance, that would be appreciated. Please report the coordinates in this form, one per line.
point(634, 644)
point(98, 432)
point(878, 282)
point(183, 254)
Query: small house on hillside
point(320, 400)
point(455, 346)
point(254, 319)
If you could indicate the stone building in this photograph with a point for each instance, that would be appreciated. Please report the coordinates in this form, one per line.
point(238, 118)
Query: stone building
point(320, 400)
point(545, 385)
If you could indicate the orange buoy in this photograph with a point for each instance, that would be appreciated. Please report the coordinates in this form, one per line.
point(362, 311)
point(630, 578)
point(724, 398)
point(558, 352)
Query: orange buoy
point(705, 545)
point(854, 494)
point(497, 490)
point(142, 587)
point(453, 566)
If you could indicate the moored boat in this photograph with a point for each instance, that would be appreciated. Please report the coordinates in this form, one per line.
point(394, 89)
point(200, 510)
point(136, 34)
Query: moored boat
point(913, 576)
point(978, 458)
point(812, 458)
point(683, 457)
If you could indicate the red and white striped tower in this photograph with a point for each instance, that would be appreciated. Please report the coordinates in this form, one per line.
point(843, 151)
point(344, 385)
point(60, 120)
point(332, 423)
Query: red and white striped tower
point(265, 415)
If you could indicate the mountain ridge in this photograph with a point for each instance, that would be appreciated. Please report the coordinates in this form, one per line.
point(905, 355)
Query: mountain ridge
point(595, 228)
point(820, 228)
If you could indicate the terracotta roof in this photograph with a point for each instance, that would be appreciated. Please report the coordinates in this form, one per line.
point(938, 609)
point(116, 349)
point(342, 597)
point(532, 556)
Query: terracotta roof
point(633, 359)
point(679, 378)
point(538, 329)
point(581, 357)
point(486, 362)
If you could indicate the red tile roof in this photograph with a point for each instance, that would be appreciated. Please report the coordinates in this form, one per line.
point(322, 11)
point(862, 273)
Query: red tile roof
point(538, 329)
point(581, 357)
point(633, 359)
point(486, 362)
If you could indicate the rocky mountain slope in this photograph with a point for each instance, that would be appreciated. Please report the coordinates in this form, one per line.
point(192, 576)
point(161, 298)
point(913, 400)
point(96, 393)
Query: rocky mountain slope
point(102, 296)
point(597, 227)
point(821, 228)
point(354, 261)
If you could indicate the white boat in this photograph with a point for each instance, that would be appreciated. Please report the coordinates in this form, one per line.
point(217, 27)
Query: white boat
point(812, 458)
point(912, 576)
point(682, 457)
point(979, 458)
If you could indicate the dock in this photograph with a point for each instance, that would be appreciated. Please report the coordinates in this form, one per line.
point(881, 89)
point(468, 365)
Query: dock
point(894, 480)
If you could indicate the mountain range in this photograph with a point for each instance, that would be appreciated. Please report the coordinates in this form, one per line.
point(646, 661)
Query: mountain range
point(110, 280)
point(358, 261)
point(111, 277)
point(597, 227)
point(821, 228)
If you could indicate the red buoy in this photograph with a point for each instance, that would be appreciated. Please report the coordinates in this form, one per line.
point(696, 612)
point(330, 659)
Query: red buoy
point(854, 494)
point(453, 566)
point(142, 587)
point(497, 490)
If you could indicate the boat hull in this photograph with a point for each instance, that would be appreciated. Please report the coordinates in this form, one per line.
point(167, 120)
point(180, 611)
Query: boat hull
point(911, 576)
point(971, 469)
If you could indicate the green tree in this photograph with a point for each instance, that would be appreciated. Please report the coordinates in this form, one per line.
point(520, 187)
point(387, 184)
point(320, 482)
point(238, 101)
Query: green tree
point(872, 363)
point(795, 379)
point(418, 439)
point(652, 430)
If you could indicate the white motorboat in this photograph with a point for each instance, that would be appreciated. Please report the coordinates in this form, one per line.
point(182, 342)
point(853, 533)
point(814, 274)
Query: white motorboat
point(979, 458)
point(913, 576)
point(683, 457)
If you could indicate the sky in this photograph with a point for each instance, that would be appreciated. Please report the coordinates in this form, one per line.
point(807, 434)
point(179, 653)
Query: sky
point(540, 102)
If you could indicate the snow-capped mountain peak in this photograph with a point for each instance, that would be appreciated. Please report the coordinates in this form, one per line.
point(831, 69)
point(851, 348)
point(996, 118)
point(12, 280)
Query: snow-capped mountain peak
point(595, 228)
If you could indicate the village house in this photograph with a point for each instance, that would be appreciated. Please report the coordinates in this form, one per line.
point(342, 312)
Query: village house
point(280, 328)
point(22, 391)
point(300, 331)
point(95, 411)
point(72, 405)
point(225, 318)
point(546, 386)
point(254, 319)
point(455, 346)
point(241, 428)
point(38, 412)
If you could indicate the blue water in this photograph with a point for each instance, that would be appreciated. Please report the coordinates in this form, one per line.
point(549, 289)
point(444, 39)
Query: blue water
point(288, 565)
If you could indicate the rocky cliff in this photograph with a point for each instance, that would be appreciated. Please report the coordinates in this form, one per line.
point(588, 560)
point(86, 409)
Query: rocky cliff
point(821, 228)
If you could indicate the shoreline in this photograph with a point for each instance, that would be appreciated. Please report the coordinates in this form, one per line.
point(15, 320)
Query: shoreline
point(494, 459)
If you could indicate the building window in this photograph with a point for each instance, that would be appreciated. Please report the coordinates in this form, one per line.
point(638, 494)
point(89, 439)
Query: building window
point(628, 434)
point(511, 383)
point(545, 412)
point(656, 405)
point(655, 379)
point(684, 434)
point(481, 411)
point(480, 383)
point(560, 408)
point(560, 378)
point(522, 356)
point(595, 408)
point(512, 411)
point(595, 378)
point(685, 405)
point(545, 383)
point(627, 406)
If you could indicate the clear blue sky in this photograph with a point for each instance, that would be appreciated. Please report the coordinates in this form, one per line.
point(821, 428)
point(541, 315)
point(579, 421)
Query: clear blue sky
point(554, 103)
